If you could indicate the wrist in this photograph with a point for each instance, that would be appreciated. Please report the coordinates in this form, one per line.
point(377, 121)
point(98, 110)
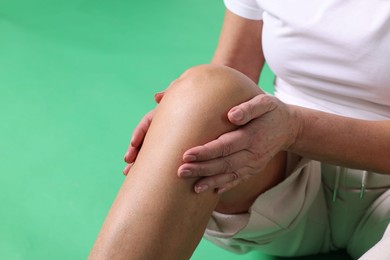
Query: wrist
point(297, 126)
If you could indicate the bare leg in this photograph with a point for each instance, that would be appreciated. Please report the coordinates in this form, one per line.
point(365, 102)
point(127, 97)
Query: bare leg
point(156, 215)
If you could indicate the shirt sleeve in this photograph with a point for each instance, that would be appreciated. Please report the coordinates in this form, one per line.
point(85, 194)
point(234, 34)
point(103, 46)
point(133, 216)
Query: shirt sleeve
point(245, 8)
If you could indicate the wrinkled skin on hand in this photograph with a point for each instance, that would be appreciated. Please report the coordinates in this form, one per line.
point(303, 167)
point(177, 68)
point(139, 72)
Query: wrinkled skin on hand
point(266, 127)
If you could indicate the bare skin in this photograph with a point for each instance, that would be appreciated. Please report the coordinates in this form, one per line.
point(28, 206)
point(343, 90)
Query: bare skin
point(136, 225)
point(325, 137)
point(155, 210)
point(240, 48)
point(313, 134)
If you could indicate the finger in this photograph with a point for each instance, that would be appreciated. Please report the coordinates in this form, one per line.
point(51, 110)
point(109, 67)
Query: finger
point(222, 181)
point(224, 145)
point(138, 137)
point(127, 169)
point(131, 154)
point(213, 182)
point(256, 107)
point(218, 166)
point(158, 96)
point(230, 185)
point(141, 129)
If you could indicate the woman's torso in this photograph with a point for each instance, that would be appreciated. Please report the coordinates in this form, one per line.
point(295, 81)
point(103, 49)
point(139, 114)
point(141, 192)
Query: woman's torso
point(330, 55)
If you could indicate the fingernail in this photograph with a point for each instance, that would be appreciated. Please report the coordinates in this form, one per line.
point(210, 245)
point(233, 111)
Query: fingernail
point(201, 188)
point(189, 158)
point(126, 169)
point(237, 114)
point(185, 173)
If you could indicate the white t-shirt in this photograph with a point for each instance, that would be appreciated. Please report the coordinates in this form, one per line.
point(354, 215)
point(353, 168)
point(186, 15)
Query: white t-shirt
point(331, 55)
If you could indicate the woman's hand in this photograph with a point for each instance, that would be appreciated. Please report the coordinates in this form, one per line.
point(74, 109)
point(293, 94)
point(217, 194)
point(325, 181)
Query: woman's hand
point(139, 135)
point(267, 126)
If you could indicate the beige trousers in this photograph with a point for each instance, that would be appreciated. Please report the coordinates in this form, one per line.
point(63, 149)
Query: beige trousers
point(317, 208)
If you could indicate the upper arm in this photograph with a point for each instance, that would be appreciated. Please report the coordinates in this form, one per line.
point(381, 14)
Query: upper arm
point(239, 45)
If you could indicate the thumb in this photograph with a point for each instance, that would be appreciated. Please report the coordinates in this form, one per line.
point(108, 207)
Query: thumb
point(249, 110)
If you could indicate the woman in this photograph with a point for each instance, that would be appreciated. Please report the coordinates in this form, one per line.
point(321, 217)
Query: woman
point(254, 160)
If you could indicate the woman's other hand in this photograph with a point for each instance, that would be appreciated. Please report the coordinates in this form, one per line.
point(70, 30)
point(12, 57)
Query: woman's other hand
point(139, 135)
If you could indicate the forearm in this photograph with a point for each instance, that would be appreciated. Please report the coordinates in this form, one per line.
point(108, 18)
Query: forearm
point(343, 141)
point(239, 45)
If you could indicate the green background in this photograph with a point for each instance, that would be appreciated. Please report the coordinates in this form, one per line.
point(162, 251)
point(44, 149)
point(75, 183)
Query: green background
point(75, 78)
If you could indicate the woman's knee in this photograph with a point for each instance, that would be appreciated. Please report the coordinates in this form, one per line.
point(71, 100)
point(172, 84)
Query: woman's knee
point(213, 87)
